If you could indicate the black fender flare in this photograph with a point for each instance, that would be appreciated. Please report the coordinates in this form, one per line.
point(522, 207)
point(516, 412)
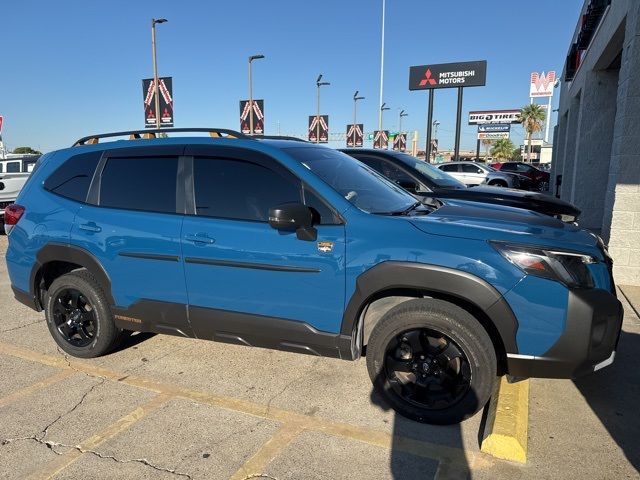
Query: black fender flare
point(394, 275)
point(60, 252)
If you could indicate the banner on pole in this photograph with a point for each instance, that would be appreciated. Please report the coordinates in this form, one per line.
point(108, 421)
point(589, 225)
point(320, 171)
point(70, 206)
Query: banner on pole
point(381, 139)
point(355, 135)
point(400, 142)
point(494, 116)
point(165, 90)
point(258, 117)
point(448, 75)
point(319, 126)
point(542, 85)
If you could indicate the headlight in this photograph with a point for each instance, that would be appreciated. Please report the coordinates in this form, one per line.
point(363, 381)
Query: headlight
point(566, 267)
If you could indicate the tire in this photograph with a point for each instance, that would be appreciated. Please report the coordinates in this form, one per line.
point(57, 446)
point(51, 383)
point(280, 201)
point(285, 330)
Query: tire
point(498, 184)
point(460, 331)
point(82, 325)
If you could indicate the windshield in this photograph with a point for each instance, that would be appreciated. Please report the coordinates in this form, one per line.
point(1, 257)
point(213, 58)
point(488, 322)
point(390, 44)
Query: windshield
point(356, 182)
point(437, 176)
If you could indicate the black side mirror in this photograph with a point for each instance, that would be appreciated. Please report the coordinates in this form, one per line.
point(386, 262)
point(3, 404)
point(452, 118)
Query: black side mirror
point(293, 217)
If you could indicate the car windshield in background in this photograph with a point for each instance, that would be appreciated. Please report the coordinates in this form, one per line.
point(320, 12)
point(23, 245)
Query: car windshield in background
point(437, 176)
point(363, 187)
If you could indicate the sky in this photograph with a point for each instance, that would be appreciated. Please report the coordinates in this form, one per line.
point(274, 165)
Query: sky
point(71, 68)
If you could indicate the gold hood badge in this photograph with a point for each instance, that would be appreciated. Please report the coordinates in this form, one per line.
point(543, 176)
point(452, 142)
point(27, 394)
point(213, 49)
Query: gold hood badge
point(325, 247)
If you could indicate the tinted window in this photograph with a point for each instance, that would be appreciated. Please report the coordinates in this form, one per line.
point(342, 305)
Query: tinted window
point(449, 168)
point(13, 167)
point(466, 168)
point(324, 214)
point(239, 190)
point(73, 177)
point(1, 168)
point(387, 169)
point(142, 183)
point(350, 178)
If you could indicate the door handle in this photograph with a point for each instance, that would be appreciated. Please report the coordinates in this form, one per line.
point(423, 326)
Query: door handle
point(199, 238)
point(90, 227)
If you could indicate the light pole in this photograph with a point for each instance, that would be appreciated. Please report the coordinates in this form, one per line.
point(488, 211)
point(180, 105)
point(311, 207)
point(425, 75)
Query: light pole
point(402, 114)
point(381, 67)
point(435, 136)
point(251, 59)
point(155, 68)
point(383, 107)
point(319, 84)
point(355, 102)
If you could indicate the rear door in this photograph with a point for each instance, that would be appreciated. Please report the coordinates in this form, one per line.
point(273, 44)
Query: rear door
point(131, 224)
point(453, 169)
point(245, 278)
point(472, 174)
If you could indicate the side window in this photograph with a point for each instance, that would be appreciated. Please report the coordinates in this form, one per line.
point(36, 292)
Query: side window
point(375, 163)
point(1, 168)
point(323, 214)
point(73, 177)
point(239, 190)
point(449, 168)
point(466, 168)
point(140, 183)
point(388, 170)
point(509, 167)
point(13, 167)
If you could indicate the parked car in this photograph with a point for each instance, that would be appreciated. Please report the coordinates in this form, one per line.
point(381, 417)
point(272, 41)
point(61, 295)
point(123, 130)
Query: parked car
point(474, 173)
point(539, 177)
point(424, 181)
point(13, 175)
point(298, 247)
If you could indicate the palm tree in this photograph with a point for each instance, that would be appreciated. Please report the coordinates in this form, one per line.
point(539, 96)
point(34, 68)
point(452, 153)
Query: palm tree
point(532, 118)
point(502, 149)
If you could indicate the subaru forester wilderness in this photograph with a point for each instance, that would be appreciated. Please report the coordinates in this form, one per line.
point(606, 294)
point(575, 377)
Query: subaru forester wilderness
point(298, 247)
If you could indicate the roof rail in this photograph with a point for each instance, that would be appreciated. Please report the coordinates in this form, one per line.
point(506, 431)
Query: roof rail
point(279, 137)
point(153, 133)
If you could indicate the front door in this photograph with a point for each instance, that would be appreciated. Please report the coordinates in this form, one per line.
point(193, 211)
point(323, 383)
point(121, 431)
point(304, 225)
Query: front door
point(247, 281)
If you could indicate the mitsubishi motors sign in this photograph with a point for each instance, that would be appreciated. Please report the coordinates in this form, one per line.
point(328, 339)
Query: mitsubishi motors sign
point(542, 85)
point(448, 75)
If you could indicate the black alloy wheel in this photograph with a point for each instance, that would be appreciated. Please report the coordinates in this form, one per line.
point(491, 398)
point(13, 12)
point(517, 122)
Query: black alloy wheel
point(74, 317)
point(427, 369)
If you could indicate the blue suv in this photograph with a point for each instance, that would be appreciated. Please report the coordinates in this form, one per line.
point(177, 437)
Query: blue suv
point(294, 246)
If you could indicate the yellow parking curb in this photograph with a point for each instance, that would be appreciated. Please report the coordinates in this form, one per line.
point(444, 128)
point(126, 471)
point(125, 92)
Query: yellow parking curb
point(505, 432)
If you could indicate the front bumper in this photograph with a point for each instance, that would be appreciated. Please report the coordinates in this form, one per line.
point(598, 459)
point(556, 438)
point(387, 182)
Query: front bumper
point(589, 341)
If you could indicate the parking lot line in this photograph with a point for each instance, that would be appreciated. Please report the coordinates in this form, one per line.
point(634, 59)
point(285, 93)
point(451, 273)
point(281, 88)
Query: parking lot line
point(63, 461)
point(450, 455)
point(31, 389)
point(269, 450)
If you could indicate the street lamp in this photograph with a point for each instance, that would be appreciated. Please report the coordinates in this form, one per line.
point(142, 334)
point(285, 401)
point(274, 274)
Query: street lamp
point(251, 59)
point(355, 102)
point(402, 114)
point(383, 107)
point(319, 84)
point(155, 67)
point(434, 137)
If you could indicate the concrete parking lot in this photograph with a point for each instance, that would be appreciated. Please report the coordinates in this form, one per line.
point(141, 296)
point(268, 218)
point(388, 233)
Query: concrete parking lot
point(168, 407)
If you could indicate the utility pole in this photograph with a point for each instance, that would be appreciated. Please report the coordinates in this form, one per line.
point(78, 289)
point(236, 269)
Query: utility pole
point(381, 67)
point(251, 59)
point(155, 68)
point(319, 84)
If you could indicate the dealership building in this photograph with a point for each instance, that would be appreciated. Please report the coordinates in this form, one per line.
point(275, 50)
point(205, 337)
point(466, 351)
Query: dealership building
point(597, 139)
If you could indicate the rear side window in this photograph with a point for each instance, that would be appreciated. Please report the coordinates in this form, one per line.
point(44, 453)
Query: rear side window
point(73, 177)
point(466, 168)
point(140, 183)
point(239, 190)
point(13, 167)
point(449, 168)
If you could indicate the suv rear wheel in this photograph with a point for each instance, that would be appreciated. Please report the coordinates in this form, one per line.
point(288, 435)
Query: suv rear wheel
point(432, 361)
point(78, 316)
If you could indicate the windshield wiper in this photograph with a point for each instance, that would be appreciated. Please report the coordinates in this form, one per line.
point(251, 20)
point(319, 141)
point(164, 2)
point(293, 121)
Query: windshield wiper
point(406, 211)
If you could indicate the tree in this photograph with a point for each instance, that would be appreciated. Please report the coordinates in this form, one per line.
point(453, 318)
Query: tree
point(26, 150)
point(503, 149)
point(532, 118)
point(487, 143)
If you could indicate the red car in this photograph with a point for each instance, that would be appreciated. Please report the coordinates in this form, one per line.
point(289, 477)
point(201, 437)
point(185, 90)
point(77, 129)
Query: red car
point(539, 177)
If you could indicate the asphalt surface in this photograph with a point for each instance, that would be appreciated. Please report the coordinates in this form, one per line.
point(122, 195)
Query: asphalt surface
point(168, 407)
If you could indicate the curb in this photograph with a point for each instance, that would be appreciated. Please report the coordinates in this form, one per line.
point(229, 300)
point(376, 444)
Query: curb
point(505, 431)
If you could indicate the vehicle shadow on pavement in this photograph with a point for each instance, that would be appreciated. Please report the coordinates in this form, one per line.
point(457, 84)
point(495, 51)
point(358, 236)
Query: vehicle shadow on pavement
point(132, 340)
point(614, 396)
point(405, 465)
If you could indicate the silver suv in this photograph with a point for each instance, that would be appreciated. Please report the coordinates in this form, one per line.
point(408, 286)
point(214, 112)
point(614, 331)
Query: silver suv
point(474, 173)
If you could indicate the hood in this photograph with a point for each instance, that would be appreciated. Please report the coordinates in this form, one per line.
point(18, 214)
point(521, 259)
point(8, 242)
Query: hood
point(481, 221)
point(536, 201)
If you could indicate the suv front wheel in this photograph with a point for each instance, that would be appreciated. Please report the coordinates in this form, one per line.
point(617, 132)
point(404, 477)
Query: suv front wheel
point(432, 361)
point(78, 316)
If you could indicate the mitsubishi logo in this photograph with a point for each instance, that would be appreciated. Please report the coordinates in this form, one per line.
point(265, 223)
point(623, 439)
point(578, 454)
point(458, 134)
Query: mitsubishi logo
point(427, 79)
